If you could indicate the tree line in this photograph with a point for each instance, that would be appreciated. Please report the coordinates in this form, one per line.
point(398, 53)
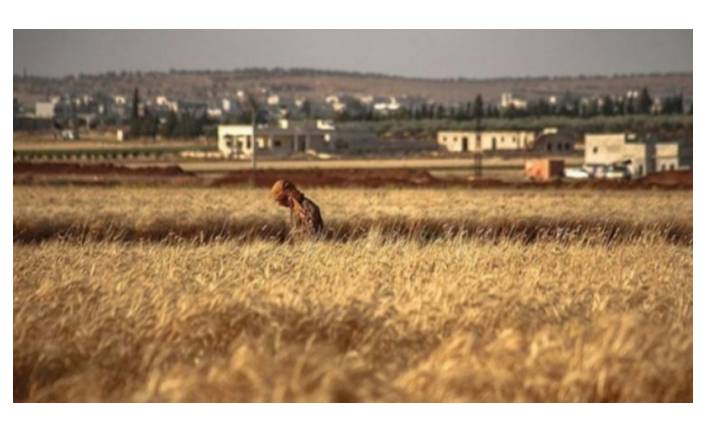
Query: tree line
point(145, 123)
point(567, 105)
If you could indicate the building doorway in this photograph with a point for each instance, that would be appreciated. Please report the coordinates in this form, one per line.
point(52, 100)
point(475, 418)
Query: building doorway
point(300, 143)
point(464, 144)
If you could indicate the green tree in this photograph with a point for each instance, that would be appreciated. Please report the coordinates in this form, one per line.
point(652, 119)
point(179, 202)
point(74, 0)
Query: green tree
point(608, 107)
point(478, 107)
point(306, 109)
point(170, 127)
point(148, 125)
point(135, 123)
point(199, 125)
point(468, 111)
point(644, 102)
point(673, 105)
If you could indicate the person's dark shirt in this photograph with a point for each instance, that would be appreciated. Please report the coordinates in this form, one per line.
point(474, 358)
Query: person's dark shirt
point(312, 224)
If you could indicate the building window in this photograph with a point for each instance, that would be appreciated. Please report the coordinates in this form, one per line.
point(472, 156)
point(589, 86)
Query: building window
point(549, 147)
point(595, 150)
point(278, 144)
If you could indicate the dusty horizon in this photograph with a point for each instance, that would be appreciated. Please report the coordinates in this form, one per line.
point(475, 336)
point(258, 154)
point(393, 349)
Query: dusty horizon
point(422, 54)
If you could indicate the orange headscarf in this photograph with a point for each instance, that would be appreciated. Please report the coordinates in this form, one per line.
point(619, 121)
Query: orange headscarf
point(285, 193)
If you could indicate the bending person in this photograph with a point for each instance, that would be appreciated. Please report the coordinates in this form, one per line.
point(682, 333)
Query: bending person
point(304, 214)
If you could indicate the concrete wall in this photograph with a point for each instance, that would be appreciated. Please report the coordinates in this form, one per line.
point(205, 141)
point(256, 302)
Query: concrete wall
point(457, 141)
point(44, 109)
point(234, 140)
point(604, 149)
point(352, 140)
point(667, 156)
point(497, 140)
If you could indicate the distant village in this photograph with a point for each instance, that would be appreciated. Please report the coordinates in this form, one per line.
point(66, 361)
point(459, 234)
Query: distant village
point(286, 125)
point(162, 115)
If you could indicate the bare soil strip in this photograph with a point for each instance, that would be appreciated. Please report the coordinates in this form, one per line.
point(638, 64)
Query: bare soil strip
point(111, 175)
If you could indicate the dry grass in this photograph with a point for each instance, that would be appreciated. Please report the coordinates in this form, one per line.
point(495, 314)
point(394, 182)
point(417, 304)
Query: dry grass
point(144, 204)
point(372, 318)
point(159, 214)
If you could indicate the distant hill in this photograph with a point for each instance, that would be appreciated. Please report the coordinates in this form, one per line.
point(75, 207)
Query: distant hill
point(316, 84)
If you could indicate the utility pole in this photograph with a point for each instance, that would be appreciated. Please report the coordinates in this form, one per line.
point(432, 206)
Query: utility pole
point(253, 122)
point(478, 153)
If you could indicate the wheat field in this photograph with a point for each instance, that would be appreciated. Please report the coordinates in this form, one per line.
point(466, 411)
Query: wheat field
point(179, 294)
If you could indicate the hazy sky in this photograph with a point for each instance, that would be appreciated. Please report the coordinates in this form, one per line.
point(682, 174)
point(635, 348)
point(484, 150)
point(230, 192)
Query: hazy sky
point(422, 53)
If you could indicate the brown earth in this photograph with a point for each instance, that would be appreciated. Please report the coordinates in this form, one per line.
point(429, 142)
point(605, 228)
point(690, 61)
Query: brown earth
point(341, 178)
point(108, 174)
point(94, 169)
point(671, 178)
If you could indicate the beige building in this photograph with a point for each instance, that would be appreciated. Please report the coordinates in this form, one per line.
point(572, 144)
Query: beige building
point(639, 156)
point(288, 138)
point(496, 140)
point(667, 156)
point(508, 101)
point(44, 109)
point(554, 141)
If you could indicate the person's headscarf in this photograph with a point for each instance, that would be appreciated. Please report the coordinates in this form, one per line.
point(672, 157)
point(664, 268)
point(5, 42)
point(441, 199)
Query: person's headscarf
point(285, 193)
point(284, 190)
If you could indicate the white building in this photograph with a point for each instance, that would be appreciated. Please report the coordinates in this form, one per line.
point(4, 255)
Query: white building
point(44, 109)
point(491, 140)
point(340, 102)
point(507, 101)
point(390, 105)
point(639, 155)
point(288, 138)
point(274, 99)
point(164, 102)
point(368, 99)
point(214, 112)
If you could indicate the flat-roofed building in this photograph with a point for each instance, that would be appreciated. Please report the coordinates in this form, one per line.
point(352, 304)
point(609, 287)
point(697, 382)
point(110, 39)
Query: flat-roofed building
point(610, 149)
point(491, 140)
point(289, 137)
point(44, 109)
point(640, 155)
point(667, 156)
point(554, 141)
